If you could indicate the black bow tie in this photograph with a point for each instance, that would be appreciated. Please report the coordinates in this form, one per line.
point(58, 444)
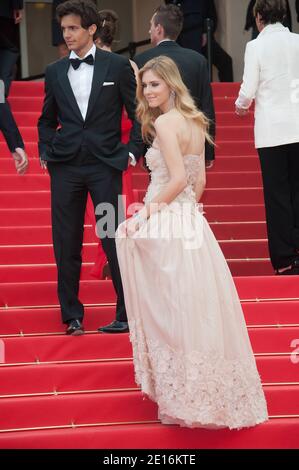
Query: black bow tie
point(77, 62)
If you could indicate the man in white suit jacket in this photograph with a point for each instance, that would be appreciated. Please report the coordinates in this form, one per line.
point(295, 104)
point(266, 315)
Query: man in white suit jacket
point(271, 78)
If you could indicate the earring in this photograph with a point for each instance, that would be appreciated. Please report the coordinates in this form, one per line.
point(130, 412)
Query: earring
point(172, 99)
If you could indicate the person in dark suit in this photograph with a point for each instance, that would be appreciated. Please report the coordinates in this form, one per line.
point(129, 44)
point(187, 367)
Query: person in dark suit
point(250, 19)
point(195, 13)
point(220, 58)
point(85, 95)
point(165, 27)
point(13, 138)
point(10, 15)
point(11, 12)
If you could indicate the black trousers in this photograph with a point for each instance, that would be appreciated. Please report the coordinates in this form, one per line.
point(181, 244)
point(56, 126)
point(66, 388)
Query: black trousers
point(191, 35)
point(9, 51)
point(280, 171)
point(222, 61)
point(70, 185)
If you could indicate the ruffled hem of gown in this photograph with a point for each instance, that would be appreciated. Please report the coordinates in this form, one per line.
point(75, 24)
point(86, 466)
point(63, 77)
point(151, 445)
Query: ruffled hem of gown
point(198, 389)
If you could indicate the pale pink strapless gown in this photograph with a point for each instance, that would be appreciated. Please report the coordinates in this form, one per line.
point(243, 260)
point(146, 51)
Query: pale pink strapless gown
point(191, 350)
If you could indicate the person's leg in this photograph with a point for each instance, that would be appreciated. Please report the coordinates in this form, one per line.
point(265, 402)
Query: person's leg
point(279, 211)
point(293, 154)
point(68, 201)
point(105, 185)
point(223, 62)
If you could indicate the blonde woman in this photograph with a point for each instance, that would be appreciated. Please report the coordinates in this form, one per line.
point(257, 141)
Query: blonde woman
point(191, 349)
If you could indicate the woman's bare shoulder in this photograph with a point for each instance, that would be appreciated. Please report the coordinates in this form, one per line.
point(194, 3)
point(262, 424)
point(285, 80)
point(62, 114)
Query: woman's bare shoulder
point(172, 120)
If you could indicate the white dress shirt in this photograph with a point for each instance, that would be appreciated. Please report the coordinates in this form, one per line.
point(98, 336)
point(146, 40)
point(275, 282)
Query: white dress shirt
point(271, 77)
point(81, 80)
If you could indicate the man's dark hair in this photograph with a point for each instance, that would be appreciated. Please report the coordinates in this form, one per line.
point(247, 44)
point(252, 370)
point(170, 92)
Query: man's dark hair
point(271, 11)
point(171, 18)
point(86, 9)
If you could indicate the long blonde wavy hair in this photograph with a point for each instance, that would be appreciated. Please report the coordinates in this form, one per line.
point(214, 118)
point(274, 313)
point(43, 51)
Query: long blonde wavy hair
point(166, 69)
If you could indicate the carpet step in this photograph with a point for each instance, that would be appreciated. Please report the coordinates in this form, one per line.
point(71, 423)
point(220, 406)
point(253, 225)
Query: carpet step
point(29, 118)
point(43, 234)
point(88, 347)
point(221, 89)
point(48, 320)
point(48, 272)
point(38, 182)
point(224, 164)
point(28, 133)
point(31, 150)
point(61, 410)
point(223, 213)
point(225, 103)
point(105, 408)
point(224, 118)
point(41, 199)
point(43, 254)
point(41, 321)
point(94, 292)
point(93, 346)
point(242, 133)
point(236, 230)
point(39, 235)
point(229, 118)
point(26, 182)
point(250, 267)
point(276, 433)
point(36, 88)
point(45, 293)
point(235, 148)
point(32, 103)
point(76, 377)
point(218, 213)
point(90, 376)
point(19, 88)
point(235, 131)
point(39, 254)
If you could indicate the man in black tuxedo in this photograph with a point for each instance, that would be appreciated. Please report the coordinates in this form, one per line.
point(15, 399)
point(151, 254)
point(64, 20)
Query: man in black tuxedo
point(85, 94)
point(165, 26)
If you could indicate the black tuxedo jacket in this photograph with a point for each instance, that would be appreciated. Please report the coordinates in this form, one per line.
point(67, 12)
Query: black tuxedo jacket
point(7, 7)
point(9, 128)
point(194, 71)
point(113, 87)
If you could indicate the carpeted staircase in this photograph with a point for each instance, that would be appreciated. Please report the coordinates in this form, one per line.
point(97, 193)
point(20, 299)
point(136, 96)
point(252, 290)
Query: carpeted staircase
point(65, 392)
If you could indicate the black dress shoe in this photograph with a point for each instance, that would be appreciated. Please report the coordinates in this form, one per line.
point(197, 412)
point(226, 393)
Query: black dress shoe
point(115, 327)
point(292, 271)
point(75, 328)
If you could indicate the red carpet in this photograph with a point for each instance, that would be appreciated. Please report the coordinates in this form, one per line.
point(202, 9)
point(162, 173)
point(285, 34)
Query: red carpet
point(57, 391)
